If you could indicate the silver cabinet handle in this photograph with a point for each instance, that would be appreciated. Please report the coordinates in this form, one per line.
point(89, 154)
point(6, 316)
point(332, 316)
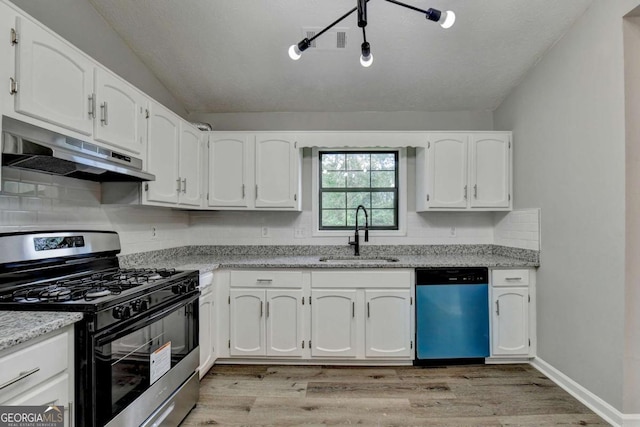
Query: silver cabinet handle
point(13, 86)
point(267, 308)
point(498, 307)
point(105, 113)
point(256, 191)
point(475, 191)
point(264, 281)
point(261, 308)
point(465, 192)
point(353, 309)
point(243, 191)
point(92, 106)
point(368, 310)
point(20, 377)
point(513, 278)
point(179, 186)
point(184, 185)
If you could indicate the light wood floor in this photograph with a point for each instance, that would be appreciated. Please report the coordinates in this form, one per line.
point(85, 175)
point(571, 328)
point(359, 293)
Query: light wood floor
point(484, 395)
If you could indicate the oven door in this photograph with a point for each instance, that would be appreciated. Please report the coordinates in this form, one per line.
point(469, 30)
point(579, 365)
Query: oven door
point(147, 354)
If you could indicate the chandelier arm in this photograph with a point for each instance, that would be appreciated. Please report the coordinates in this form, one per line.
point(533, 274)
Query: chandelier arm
point(333, 24)
point(408, 6)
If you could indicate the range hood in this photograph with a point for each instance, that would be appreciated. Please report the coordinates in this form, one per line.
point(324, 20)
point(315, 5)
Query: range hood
point(25, 146)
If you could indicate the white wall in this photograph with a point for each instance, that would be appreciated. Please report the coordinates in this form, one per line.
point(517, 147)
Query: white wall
point(567, 117)
point(632, 298)
point(79, 23)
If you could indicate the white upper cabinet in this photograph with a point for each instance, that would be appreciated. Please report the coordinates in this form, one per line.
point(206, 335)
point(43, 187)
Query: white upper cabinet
point(490, 170)
point(459, 170)
point(162, 156)
point(254, 171)
point(120, 114)
point(174, 157)
point(276, 166)
point(447, 166)
point(54, 82)
point(190, 165)
point(228, 159)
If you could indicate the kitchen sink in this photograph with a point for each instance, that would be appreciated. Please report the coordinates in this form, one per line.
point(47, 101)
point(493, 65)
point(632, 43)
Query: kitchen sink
point(358, 260)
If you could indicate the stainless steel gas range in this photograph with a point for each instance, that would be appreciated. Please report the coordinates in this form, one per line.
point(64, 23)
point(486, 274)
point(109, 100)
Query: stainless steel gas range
point(136, 349)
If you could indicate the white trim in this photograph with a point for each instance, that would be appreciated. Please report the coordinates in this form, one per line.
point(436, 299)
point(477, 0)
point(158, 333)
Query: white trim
point(593, 402)
point(402, 196)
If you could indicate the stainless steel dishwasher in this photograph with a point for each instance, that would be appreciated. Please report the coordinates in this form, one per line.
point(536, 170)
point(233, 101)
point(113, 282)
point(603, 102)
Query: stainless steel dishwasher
point(452, 313)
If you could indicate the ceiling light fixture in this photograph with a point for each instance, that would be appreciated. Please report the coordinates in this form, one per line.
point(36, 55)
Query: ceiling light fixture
point(445, 19)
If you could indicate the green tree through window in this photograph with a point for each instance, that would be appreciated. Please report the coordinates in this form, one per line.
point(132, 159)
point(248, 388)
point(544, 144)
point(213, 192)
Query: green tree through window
point(351, 178)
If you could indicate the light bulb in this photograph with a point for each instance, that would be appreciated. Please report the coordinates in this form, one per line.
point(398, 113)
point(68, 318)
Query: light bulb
point(294, 52)
point(366, 61)
point(448, 19)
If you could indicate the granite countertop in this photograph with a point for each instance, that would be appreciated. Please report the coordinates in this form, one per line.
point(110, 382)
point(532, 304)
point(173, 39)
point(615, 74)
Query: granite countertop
point(19, 326)
point(193, 258)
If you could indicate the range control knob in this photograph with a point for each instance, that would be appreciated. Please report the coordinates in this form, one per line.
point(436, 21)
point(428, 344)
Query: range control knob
point(178, 289)
point(140, 305)
point(122, 312)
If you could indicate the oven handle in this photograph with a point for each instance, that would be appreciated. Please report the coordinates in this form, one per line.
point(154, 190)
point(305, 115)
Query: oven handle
point(121, 330)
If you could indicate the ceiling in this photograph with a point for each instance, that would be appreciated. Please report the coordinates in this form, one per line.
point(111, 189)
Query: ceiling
point(231, 55)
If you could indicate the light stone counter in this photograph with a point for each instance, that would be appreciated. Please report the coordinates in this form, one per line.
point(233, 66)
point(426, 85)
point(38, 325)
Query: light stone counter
point(207, 259)
point(19, 326)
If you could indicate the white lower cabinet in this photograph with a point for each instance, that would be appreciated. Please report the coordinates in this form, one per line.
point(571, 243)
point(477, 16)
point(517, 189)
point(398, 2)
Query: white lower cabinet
point(207, 330)
point(333, 323)
point(39, 372)
point(265, 322)
point(388, 324)
point(511, 313)
point(361, 314)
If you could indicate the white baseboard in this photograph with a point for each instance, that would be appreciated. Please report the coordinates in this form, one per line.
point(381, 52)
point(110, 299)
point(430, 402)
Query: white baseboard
point(593, 402)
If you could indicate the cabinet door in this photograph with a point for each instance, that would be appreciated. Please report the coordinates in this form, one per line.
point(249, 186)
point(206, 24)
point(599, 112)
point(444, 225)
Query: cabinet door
point(228, 170)
point(388, 325)
point(510, 321)
point(447, 171)
point(276, 166)
point(162, 155)
point(205, 333)
point(247, 322)
point(54, 80)
point(490, 171)
point(284, 322)
point(333, 323)
point(190, 166)
point(120, 110)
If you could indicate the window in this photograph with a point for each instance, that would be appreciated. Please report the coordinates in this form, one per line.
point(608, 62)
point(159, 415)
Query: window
point(351, 178)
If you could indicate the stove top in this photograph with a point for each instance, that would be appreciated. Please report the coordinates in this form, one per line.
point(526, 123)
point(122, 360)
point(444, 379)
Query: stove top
point(85, 287)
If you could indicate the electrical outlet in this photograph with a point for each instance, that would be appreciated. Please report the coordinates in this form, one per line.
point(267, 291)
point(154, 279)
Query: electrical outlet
point(154, 233)
point(452, 232)
point(299, 233)
point(265, 232)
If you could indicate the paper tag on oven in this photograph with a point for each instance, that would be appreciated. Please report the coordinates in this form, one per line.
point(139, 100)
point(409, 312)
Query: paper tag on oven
point(160, 362)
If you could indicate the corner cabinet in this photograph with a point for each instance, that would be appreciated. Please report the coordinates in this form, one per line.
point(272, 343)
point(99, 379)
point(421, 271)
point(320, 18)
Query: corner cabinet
point(254, 171)
point(174, 153)
point(512, 315)
point(458, 171)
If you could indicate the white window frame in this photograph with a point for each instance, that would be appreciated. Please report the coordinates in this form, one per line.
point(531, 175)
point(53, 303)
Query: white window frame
point(402, 193)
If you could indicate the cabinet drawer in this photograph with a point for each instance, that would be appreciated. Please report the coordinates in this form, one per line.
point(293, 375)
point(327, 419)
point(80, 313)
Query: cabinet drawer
point(52, 392)
point(510, 277)
point(45, 359)
point(361, 279)
point(266, 278)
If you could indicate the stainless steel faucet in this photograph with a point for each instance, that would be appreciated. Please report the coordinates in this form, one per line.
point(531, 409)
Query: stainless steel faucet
point(356, 241)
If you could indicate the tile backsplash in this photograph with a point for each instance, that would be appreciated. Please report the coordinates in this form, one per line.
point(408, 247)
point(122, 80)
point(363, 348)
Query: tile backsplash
point(36, 201)
point(518, 229)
